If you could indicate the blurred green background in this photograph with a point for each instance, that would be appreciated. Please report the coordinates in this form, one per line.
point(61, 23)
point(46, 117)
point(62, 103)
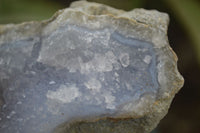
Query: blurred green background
point(184, 38)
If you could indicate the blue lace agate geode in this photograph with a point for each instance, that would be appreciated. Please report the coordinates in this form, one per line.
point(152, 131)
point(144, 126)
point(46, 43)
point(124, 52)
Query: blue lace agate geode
point(80, 71)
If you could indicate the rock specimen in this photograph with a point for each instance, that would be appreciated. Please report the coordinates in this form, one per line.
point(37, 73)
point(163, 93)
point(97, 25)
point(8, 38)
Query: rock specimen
point(89, 69)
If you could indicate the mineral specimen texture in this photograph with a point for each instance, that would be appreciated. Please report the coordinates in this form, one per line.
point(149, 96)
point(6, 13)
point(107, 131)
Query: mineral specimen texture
point(89, 69)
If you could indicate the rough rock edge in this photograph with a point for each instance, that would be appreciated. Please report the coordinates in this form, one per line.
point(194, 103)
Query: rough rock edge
point(151, 26)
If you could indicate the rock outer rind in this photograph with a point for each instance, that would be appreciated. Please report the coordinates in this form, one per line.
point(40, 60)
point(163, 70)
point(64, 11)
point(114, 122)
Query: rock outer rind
point(148, 26)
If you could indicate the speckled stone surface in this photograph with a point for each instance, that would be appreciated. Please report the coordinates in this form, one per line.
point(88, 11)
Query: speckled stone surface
point(89, 69)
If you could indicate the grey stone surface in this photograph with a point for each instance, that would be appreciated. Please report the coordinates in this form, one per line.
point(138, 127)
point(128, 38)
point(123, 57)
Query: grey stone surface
point(89, 69)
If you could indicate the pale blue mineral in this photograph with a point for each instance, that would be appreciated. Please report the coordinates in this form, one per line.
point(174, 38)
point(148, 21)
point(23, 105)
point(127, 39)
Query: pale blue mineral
point(84, 66)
